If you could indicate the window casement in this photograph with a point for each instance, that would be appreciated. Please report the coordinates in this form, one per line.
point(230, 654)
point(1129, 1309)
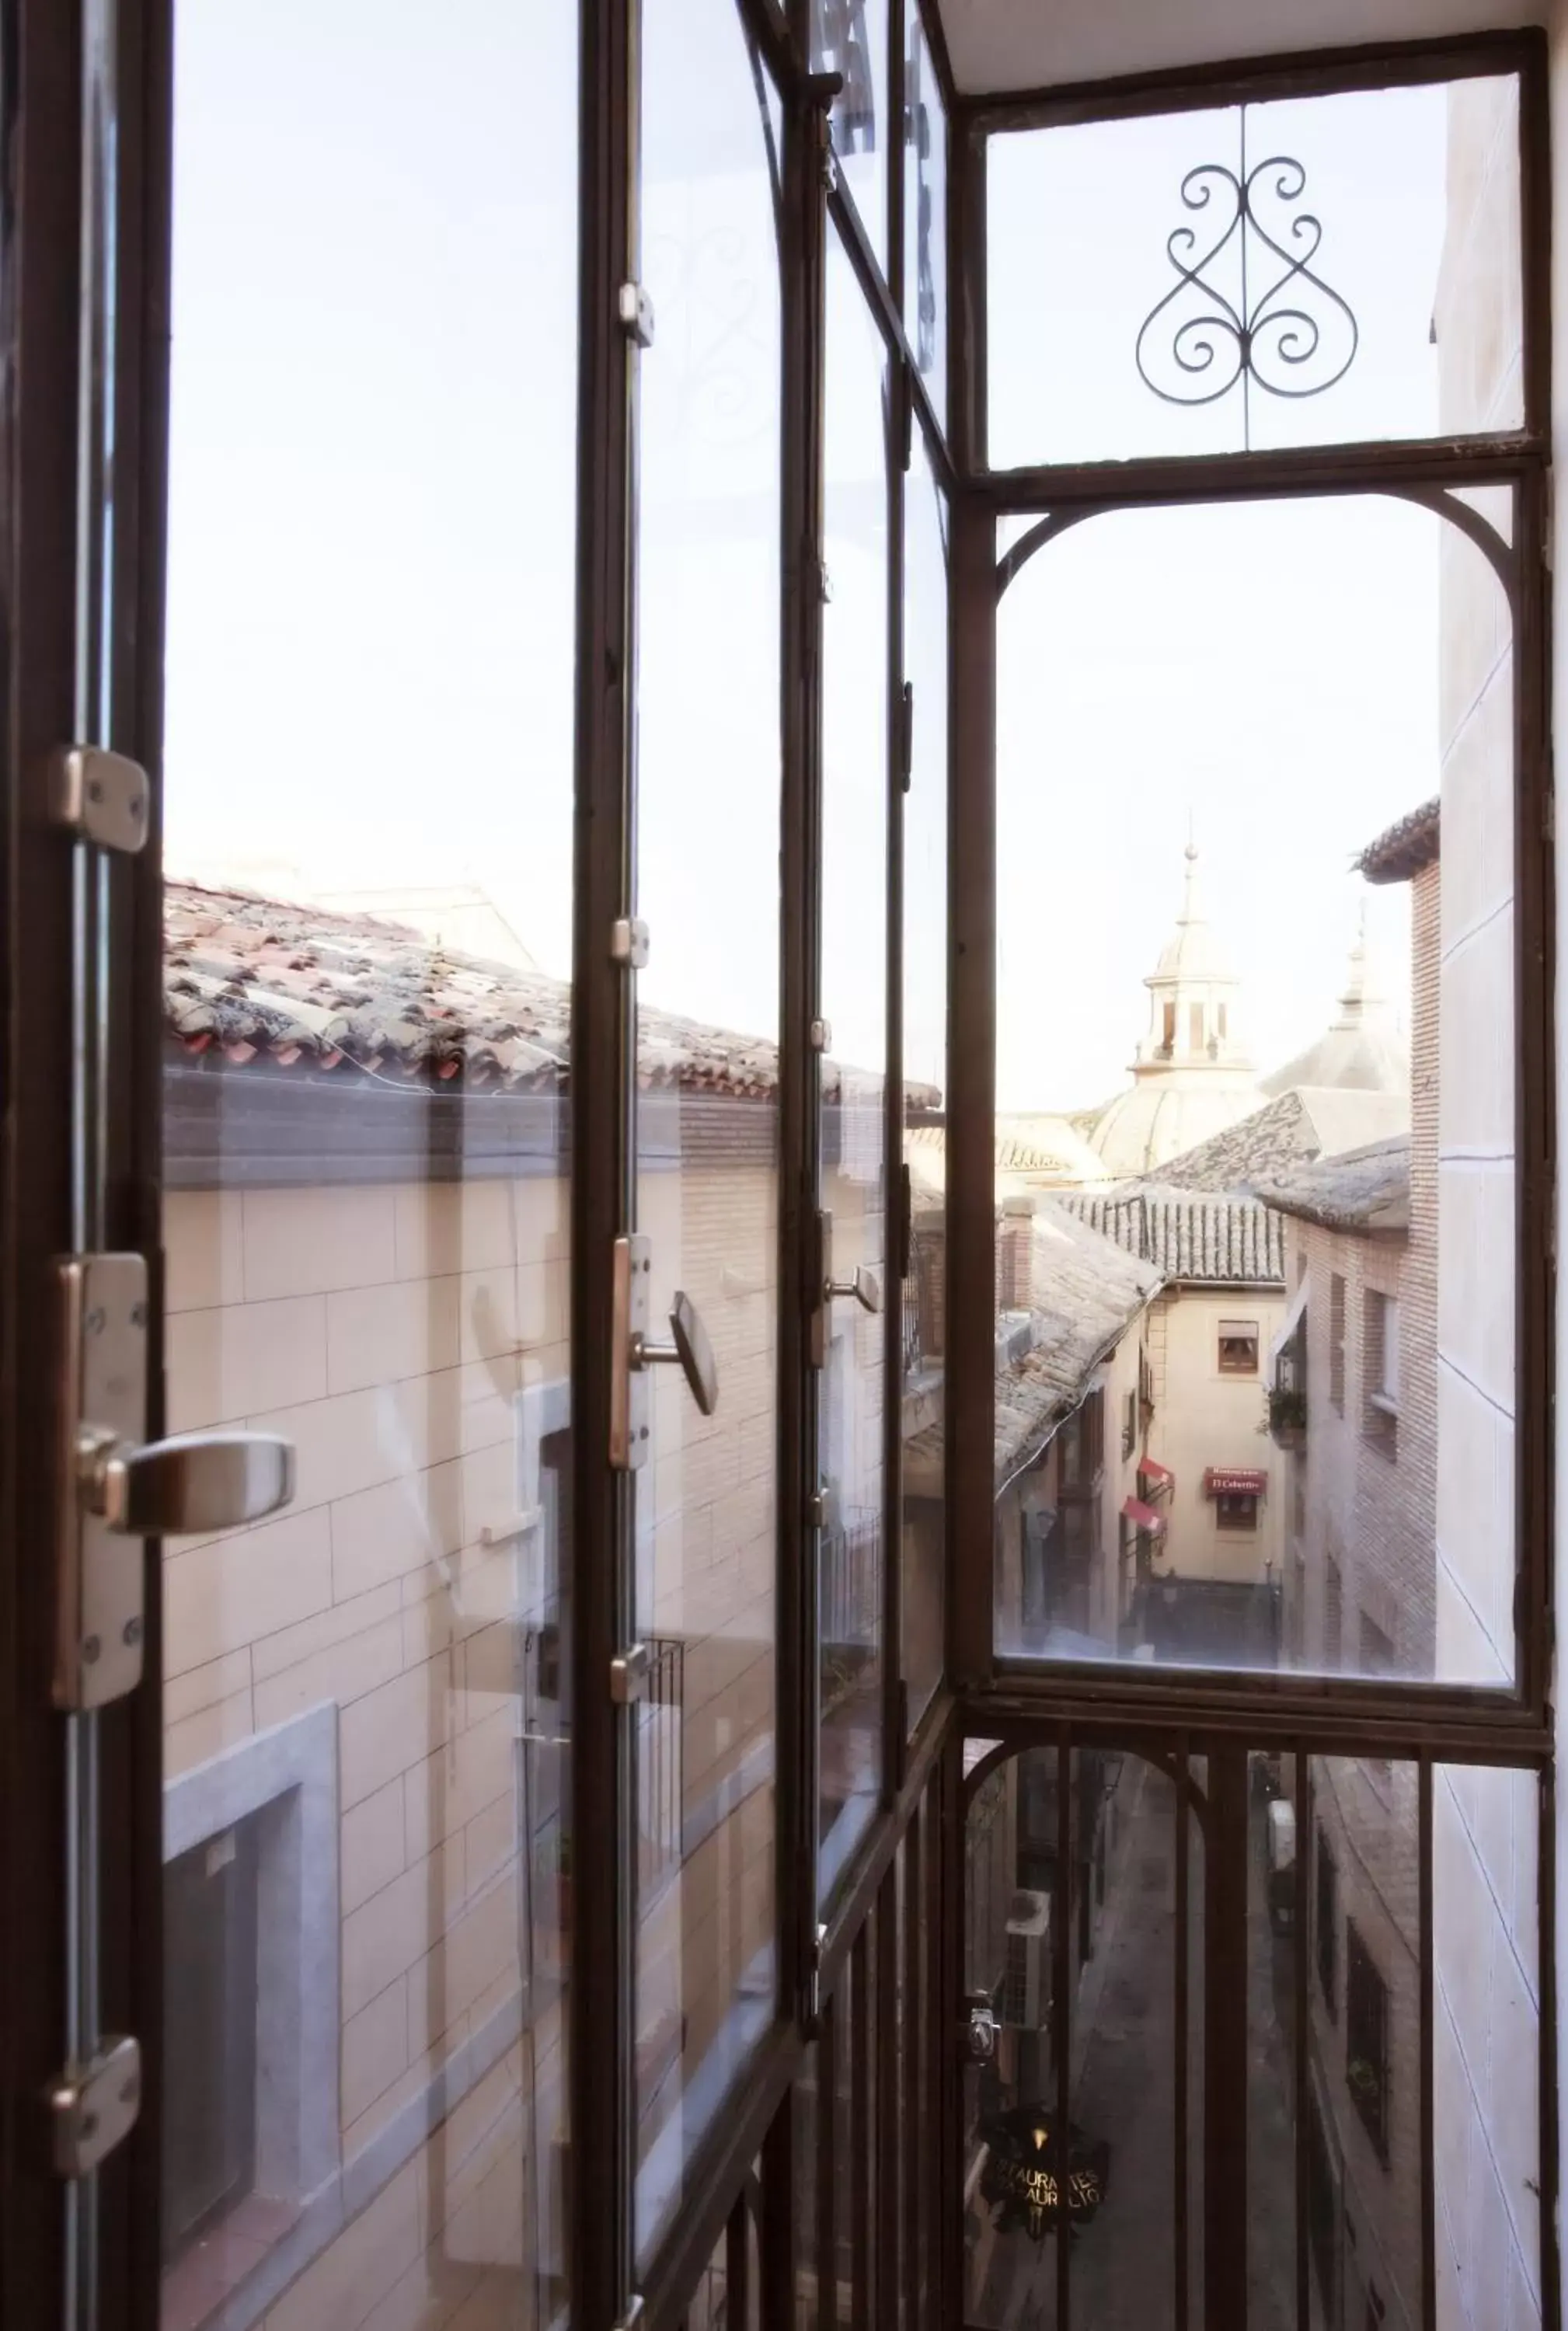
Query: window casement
point(1237, 1355)
point(1380, 1371)
point(1336, 1342)
point(1236, 1510)
point(1333, 1609)
point(1325, 1931)
point(1366, 2053)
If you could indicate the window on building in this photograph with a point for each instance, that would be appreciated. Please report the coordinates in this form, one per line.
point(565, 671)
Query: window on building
point(1236, 1510)
point(1167, 1029)
point(1129, 1424)
point(1333, 1606)
point(1377, 1656)
point(1367, 2038)
point(1336, 1341)
point(1380, 1371)
point(209, 1956)
point(1220, 1022)
point(1238, 1347)
point(1196, 1026)
point(1325, 1924)
point(1082, 1445)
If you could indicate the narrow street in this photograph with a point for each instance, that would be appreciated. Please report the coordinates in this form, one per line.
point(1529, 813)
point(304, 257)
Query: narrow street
point(1123, 2090)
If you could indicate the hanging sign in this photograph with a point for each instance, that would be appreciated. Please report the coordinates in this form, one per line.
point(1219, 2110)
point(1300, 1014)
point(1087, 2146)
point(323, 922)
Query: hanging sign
point(1022, 2177)
point(1235, 1481)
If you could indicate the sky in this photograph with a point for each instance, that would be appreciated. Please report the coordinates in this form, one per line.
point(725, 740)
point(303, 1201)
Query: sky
point(370, 662)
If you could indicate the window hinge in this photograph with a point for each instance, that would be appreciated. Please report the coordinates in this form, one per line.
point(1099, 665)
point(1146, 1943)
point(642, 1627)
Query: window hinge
point(629, 942)
point(635, 310)
point(102, 797)
point(93, 2107)
point(629, 1676)
point(907, 734)
point(824, 583)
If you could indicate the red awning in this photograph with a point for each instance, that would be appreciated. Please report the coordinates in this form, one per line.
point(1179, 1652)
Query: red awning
point(1134, 1510)
point(1234, 1481)
point(1160, 1477)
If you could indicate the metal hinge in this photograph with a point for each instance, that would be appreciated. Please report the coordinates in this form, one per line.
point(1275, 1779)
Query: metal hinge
point(635, 310)
point(629, 1676)
point(116, 1489)
point(94, 2105)
point(102, 797)
point(820, 1035)
point(629, 942)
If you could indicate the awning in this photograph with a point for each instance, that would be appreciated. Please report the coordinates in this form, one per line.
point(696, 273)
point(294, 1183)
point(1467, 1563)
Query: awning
point(1159, 1477)
point(1134, 1510)
point(1234, 1481)
point(1293, 1319)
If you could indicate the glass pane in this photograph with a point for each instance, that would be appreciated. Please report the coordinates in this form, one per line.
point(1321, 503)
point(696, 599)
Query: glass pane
point(1255, 1181)
point(925, 1083)
point(1364, 2142)
point(926, 214)
point(1272, 1949)
point(854, 992)
point(707, 1116)
point(372, 546)
point(1486, 2046)
point(850, 38)
point(1298, 272)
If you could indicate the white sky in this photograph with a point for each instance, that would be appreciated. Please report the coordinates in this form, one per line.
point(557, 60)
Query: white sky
point(371, 556)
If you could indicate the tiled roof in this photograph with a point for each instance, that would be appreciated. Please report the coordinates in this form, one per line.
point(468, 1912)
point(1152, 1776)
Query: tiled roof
point(1085, 1291)
point(1363, 1189)
point(1300, 1125)
point(1406, 847)
point(1219, 1241)
point(299, 988)
point(1028, 1151)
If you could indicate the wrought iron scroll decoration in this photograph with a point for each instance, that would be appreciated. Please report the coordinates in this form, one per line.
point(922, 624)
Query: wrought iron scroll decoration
point(1296, 339)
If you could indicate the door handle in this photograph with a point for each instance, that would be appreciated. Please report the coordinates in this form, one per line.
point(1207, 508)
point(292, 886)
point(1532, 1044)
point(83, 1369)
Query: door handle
point(865, 1287)
point(193, 1483)
point(689, 1350)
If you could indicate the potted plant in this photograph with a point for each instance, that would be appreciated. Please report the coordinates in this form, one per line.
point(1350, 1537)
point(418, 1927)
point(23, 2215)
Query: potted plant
point(1286, 1412)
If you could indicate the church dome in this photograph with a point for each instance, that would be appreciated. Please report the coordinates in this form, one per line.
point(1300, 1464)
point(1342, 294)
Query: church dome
point(1362, 1050)
point(1193, 1078)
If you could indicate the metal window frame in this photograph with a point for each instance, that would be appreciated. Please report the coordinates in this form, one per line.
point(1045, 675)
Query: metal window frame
point(1423, 471)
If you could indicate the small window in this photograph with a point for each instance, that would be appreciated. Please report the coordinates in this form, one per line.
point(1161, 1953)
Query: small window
point(1332, 1606)
point(1238, 1347)
point(1167, 1030)
point(1326, 1925)
point(1195, 1027)
point(1219, 1021)
point(1236, 1510)
point(1367, 2038)
point(1380, 1371)
point(1129, 1424)
point(1336, 1342)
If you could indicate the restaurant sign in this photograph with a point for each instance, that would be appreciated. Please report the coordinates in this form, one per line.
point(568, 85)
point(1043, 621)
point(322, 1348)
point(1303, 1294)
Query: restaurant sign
point(1234, 1481)
point(1022, 2177)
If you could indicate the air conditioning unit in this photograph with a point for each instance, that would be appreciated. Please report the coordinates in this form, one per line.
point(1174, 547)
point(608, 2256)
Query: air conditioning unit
point(1026, 1979)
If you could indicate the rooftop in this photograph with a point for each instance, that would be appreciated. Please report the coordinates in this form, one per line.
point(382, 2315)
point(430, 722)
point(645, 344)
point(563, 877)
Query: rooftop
point(1193, 1236)
point(1295, 1128)
point(1365, 1189)
point(1085, 1291)
point(272, 985)
point(1405, 848)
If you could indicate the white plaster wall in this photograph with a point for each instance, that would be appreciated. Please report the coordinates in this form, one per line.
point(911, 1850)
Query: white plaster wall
point(1203, 1418)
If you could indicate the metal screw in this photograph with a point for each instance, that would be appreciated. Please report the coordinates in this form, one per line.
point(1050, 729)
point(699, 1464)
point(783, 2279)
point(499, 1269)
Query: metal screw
point(91, 1649)
point(138, 1315)
point(131, 1631)
point(95, 1321)
point(94, 789)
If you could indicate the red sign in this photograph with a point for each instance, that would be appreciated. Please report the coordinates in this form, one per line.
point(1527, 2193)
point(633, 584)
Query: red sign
point(1234, 1481)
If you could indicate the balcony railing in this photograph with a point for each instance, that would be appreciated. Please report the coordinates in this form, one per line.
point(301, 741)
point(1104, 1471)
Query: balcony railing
point(661, 1764)
point(849, 1596)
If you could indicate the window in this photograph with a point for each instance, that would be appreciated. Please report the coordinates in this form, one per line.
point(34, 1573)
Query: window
point(1380, 1370)
point(1236, 1510)
point(1195, 1027)
point(1367, 2038)
point(1326, 1917)
point(1082, 1446)
point(1336, 1342)
point(1219, 1021)
point(1333, 1606)
point(1168, 1030)
point(210, 2042)
point(1129, 1424)
point(1237, 1348)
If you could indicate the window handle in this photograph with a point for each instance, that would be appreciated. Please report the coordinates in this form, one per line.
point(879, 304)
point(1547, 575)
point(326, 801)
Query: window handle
point(865, 1287)
point(193, 1482)
point(690, 1351)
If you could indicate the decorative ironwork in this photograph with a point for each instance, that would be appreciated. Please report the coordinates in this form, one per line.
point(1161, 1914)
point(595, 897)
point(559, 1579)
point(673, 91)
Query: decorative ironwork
point(1296, 338)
